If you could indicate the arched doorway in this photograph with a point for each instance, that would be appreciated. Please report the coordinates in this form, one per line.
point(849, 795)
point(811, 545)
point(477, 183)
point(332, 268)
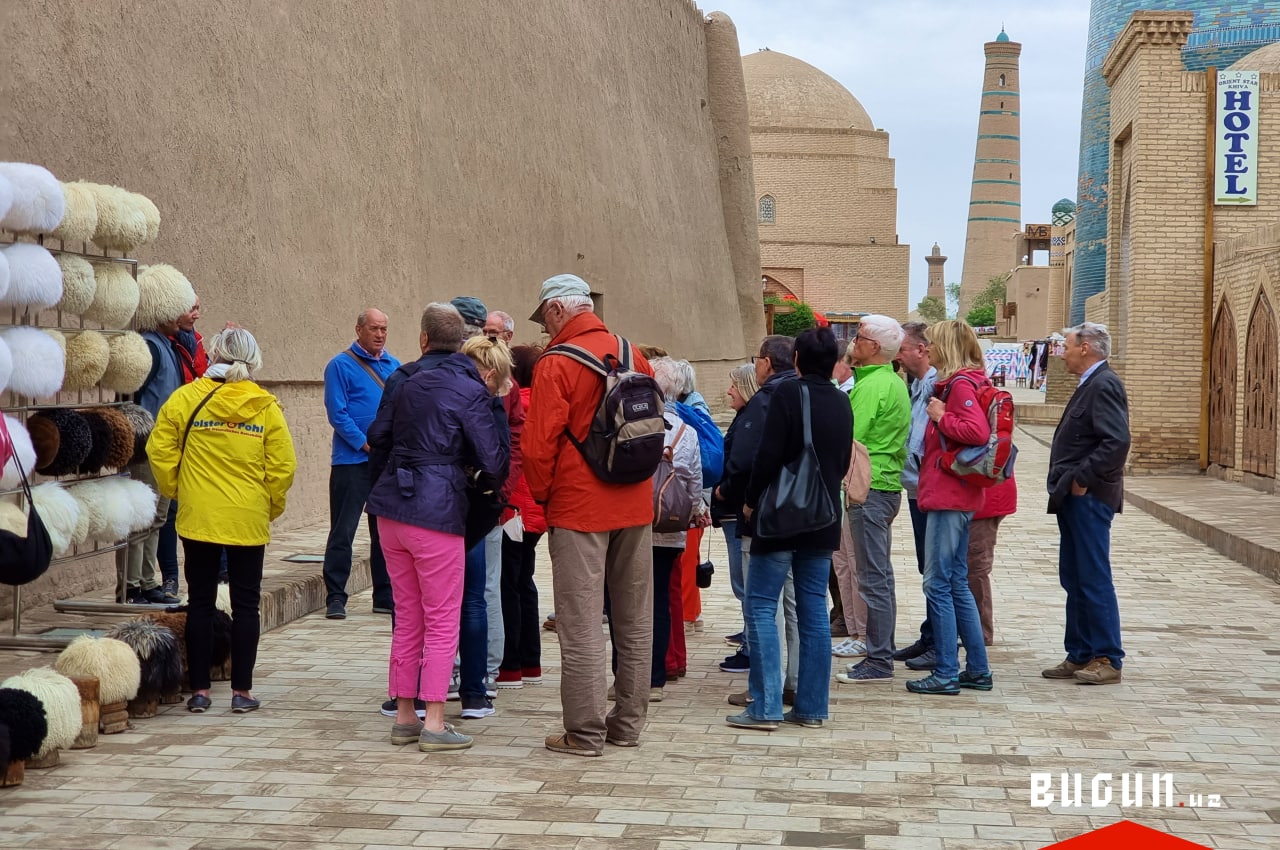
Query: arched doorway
point(1222, 390)
point(1260, 391)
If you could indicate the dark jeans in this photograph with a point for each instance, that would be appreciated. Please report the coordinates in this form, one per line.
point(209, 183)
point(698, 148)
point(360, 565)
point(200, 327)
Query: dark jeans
point(1084, 568)
point(349, 486)
point(244, 568)
point(664, 561)
point(473, 639)
point(520, 620)
point(918, 525)
point(167, 549)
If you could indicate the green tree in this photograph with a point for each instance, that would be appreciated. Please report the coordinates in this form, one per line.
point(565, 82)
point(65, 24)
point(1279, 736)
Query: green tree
point(982, 316)
point(800, 319)
point(996, 290)
point(931, 309)
point(953, 300)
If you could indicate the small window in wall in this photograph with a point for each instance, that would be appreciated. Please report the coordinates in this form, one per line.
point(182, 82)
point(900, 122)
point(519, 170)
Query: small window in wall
point(768, 210)
point(1002, 81)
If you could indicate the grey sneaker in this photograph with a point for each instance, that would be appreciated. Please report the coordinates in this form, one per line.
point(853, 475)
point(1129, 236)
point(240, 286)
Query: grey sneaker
point(746, 721)
point(447, 738)
point(405, 733)
point(170, 586)
point(806, 722)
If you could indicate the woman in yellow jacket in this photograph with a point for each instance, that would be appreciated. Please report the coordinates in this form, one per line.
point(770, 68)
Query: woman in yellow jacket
point(222, 448)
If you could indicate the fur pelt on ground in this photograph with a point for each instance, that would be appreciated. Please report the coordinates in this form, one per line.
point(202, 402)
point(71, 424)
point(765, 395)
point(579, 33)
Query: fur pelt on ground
point(61, 701)
point(38, 203)
point(38, 362)
point(157, 649)
point(24, 715)
point(175, 619)
point(114, 664)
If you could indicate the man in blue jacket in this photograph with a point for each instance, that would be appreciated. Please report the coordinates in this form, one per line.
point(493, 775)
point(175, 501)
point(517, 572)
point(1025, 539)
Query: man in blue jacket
point(353, 384)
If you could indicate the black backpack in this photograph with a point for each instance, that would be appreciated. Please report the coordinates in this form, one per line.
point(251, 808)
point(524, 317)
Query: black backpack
point(624, 445)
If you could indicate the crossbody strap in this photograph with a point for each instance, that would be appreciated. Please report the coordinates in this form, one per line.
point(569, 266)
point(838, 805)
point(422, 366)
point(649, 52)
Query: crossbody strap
point(182, 449)
point(804, 404)
point(581, 356)
point(382, 385)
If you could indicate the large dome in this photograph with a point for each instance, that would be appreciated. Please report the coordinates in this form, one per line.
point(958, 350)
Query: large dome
point(1265, 59)
point(783, 91)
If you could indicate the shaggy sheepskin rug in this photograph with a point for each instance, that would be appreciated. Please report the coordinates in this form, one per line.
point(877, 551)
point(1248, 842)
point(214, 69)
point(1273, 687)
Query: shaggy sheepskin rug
point(74, 440)
point(164, 294)
point(129, 363)
point(38, 203)
point(78, 284)
point(35, 278)
point(24, 452)
point(111, 662)
point(38, 362)
point(80, 220)
point(87, 356)
point(24, 715)
point(60, 699)
point(115, 296)
point(60, 512)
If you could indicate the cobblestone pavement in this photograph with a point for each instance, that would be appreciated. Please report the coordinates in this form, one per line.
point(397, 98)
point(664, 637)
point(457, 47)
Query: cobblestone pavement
point(313, 769)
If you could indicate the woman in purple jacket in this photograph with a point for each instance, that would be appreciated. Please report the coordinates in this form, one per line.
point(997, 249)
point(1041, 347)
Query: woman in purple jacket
point(440, 432)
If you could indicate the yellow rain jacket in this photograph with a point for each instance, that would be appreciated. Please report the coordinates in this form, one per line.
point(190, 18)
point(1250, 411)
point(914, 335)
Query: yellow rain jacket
point(230, 480)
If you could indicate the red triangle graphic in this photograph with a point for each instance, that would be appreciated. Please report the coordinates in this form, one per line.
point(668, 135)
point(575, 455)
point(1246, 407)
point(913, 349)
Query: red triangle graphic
point(1125, 835)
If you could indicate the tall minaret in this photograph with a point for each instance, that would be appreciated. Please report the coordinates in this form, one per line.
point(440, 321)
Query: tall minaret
point(937, 282)
point(995, 200)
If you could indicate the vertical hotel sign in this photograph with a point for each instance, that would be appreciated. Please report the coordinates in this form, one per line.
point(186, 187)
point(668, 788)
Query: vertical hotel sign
point(1236, 149)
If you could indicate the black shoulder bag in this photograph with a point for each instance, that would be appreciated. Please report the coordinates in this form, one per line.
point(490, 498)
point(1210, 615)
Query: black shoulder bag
point(797, 501)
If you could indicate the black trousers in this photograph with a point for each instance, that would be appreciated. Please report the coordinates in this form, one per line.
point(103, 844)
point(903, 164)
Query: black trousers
point(349, 487)
point(244, 569)
point(520, 618)
point(664, 561)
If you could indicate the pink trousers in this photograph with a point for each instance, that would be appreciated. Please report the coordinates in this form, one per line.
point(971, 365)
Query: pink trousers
point(426, 570)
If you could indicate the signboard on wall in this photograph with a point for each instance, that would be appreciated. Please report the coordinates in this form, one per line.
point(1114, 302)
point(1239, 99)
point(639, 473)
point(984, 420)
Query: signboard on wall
point(1235, 161)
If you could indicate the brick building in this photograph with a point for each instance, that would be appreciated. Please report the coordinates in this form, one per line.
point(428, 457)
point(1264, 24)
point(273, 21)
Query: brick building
point(826, 205)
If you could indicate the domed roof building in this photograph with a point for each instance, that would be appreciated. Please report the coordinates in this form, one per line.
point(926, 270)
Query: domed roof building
point(826, 202)
point(1264, 59)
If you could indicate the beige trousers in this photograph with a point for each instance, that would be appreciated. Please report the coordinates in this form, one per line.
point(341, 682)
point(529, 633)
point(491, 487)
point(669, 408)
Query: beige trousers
point(581, 563)
point(851, 601)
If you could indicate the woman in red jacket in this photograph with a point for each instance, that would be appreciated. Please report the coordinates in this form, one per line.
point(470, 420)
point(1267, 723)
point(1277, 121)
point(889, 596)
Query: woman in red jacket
point(956, 416)
point(522, 654)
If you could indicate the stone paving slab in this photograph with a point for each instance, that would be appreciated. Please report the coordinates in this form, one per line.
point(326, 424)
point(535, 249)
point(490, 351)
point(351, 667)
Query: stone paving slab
point(889, 771)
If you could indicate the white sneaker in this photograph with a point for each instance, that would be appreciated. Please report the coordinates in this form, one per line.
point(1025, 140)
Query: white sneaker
point(454, 684)
point(849, 648)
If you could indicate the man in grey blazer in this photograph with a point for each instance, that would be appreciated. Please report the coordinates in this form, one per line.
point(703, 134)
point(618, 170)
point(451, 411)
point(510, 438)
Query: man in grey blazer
point(1086, 490)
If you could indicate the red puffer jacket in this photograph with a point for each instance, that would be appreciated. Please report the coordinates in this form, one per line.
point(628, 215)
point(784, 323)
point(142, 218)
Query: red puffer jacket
point(964, 423)
point(535, 521)
point(1000, 500)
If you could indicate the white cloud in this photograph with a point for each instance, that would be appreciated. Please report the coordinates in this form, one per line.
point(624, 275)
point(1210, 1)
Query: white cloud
point(916, 65)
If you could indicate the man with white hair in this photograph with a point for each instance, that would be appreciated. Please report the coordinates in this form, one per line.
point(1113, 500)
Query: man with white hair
point(598, 530)
point(1086, 491)
point(881, 422)
point(500, 325)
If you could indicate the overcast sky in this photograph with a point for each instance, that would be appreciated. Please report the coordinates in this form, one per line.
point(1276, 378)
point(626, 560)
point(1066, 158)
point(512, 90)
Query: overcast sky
point(916, 66)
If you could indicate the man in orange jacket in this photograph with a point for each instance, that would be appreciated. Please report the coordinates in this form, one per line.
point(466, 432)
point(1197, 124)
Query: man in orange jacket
point(598, 531)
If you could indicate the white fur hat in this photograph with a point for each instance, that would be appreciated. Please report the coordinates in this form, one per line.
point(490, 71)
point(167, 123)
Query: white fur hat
point(38, 204)
point(142, 504)
point(4, 272)
point(122, 222)
point(6, 365)
point(116, 507)
point(61, 701)
point(128, 365)
point(78, 284)
point(26, 452)
point(60, 512)
point(115, 296)
point(35, 278)
point(164, 294)
point(6, 196)
point(13, 519)
point(38, 362)
point(80, 220)
point(87, 356)
point(150, 213)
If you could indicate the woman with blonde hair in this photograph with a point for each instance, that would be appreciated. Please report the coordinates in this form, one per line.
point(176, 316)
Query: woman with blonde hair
point(956, 418)
point(222, 448)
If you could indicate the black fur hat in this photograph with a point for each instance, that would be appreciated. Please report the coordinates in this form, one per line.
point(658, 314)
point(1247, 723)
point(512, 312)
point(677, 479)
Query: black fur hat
point(142, 421)
point(157, 649)
point(74, 440)
point(23, 713)
point(4, 745)
point(100, 442)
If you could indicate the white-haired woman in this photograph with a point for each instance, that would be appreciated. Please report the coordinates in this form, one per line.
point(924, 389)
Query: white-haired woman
point(222, 448)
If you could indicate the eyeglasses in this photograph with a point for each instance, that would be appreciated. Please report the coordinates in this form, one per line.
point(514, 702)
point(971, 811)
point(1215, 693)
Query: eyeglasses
point(867, 338)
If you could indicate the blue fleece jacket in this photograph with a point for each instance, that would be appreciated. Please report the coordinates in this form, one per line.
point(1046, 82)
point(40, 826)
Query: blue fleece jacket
point(351, 401)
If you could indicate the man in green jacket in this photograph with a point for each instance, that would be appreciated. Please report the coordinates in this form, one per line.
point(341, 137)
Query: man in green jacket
point(881, 422)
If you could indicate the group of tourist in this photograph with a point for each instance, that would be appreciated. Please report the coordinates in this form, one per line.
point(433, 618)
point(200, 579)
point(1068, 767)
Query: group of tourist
point(465, 457)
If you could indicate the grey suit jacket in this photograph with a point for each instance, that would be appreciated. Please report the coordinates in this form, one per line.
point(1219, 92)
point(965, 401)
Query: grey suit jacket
point(1091, 443)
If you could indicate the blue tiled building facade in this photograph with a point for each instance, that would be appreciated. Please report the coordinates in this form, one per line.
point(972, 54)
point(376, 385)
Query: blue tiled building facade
point(1223, 32)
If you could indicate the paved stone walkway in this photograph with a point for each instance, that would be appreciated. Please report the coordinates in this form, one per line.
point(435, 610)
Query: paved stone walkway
point(313, 769)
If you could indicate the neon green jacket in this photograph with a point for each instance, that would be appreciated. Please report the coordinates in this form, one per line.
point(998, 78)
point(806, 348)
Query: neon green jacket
point(881, 422)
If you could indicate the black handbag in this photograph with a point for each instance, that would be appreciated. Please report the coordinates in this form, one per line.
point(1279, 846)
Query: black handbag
point(24, 559)
point(797, 501)
point(705, 570)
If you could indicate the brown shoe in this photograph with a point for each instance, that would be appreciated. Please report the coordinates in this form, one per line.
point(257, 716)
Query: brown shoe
point(838, 629)
point(1066, 670)
point(741, 700)
point(561, 743)
point(621, 742)
point(1098, 672)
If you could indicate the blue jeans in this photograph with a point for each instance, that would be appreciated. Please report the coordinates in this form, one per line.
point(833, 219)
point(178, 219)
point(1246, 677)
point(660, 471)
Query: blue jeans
point(946, 589)
point(918, 520)
point(473, 640)
point(1084, 567)
point(734, 544)
point(765, 580)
